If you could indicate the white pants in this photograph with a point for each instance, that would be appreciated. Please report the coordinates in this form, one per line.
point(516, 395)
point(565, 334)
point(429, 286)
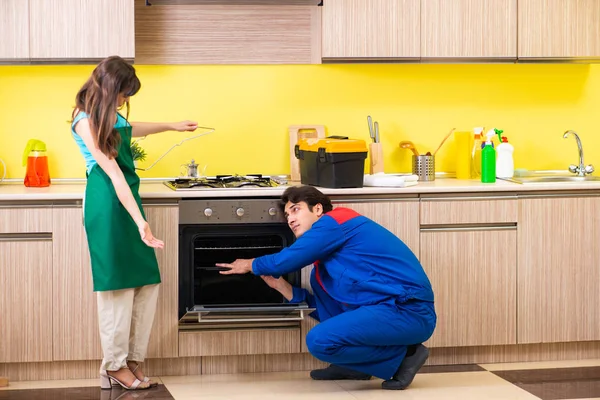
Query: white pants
point(125, 318)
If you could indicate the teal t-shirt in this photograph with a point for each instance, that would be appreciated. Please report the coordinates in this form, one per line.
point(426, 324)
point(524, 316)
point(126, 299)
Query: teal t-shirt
point(87, 155)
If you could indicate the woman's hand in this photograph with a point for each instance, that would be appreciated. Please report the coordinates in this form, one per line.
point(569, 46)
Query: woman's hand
point(147, 236)
point(185, 126)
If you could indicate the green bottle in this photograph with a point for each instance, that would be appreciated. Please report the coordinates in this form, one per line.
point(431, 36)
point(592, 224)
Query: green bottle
point(488, 160)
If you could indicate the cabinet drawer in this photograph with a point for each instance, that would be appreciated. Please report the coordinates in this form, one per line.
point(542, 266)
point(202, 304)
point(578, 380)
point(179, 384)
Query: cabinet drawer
point(25, 219)
point(468, 210)
point(235, 343)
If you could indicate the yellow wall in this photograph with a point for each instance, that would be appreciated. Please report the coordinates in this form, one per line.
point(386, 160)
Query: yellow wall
point(252, 106)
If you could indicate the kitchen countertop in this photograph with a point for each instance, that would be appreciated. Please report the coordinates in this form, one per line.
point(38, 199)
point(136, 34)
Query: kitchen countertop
point(153, 189)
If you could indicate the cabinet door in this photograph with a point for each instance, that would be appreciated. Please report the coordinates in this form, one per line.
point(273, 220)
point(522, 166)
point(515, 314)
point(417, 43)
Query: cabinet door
point(76, 335)
point(559, 270)
point(559, 29)
point(473, 274)
point(75, 327)
point(469, 29)
point(399, 217)
point(81, 29)
point(25, 298)
point(164, 223)
point(376, 29)
point(14, 22)
point(205, 33)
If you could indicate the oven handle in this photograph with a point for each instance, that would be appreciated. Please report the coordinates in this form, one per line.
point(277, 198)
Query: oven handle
point(300, 317)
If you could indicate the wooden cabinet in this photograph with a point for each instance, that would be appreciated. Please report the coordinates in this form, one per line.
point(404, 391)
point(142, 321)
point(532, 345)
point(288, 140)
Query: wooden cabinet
point(559, 269)
point(401, 217)
point(79, 30)
point(14, 22)
point(371, 29)
point(227, 34)
point(164, 223)
point(469, 29)
point(469, 251)
point(472, 272)
point(75, 317)
point(559, 29)
point(25, 285)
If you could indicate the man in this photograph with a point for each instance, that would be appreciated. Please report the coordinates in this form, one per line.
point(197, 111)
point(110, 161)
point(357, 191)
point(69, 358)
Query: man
point(372, 297)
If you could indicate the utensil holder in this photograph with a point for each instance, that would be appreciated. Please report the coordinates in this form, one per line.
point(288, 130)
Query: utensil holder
point(424, 167)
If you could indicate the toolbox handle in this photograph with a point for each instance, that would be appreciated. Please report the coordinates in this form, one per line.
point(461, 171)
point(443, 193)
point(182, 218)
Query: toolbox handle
point(322, 155)
point(299, 154)
point(337, 137)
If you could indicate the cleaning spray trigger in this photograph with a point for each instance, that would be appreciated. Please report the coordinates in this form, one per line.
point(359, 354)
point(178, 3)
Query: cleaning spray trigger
point(499, 133)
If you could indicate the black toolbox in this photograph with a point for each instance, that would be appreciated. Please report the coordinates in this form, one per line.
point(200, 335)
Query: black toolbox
point(333, 162)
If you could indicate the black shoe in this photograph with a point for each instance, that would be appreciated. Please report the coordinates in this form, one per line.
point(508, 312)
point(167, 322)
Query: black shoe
point(334, 372)
point(408, 369)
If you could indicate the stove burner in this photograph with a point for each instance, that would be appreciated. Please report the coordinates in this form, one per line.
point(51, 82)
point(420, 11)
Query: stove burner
point(224, 181)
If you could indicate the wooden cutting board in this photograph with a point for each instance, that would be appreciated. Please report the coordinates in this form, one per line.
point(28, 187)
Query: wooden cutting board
point(298, 132)
point(3, 381)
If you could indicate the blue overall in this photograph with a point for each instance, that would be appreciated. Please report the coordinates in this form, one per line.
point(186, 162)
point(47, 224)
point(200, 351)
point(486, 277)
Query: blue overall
point(371, 295)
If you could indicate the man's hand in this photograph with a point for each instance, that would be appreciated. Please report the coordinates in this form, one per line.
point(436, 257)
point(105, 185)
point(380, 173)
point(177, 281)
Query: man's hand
point(279, 284)
point(275, 283)
point(239, 266)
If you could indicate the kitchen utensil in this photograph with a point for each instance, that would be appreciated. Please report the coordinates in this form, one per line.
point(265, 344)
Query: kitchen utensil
point(34, 156)
point(410, 146)
point(211, 130)
point(376, 153)
point(371, 131)
point(424, 167)
point(296, 133)
point(191, 170)
point(446, 138)
point(375, 158)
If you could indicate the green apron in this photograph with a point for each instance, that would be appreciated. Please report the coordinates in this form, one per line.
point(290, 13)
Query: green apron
point(120, 259)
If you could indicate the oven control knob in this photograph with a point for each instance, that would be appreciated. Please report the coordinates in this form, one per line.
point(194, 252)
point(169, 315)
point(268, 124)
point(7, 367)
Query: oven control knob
point(208, 212)
point(239, 212)
point(272, 211)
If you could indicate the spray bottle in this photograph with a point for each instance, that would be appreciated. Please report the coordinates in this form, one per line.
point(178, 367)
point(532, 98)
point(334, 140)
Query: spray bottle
point(488, 159)
point(476, 152)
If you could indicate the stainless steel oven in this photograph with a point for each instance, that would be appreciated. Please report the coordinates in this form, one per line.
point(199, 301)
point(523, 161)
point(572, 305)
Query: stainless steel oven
point(221, 231)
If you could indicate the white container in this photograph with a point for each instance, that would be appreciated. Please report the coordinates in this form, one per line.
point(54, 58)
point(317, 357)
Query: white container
point(505, 164)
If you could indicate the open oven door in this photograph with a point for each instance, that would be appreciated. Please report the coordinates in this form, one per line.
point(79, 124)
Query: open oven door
point(254, 316)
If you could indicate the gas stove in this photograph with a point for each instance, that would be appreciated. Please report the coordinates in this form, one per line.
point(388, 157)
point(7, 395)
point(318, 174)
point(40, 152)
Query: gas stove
point(252, 181)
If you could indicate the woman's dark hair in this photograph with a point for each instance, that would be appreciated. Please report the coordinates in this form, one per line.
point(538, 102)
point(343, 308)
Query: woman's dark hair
point(308, 194)
point(98, 98)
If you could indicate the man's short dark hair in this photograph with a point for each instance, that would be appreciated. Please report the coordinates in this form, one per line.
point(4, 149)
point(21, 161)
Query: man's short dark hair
point(308, 194)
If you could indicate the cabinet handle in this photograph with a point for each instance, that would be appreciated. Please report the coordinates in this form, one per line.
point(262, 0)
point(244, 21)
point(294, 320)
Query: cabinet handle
point(377, 200)
point(558, 195)
point(468, 228)
point(25, 237)
point(469, 198)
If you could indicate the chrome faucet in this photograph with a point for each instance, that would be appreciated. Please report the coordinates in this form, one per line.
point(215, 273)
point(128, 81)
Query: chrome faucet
point(580, 170)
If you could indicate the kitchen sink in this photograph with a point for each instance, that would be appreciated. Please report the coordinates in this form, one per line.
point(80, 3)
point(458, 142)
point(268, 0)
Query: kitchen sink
point(525, 180)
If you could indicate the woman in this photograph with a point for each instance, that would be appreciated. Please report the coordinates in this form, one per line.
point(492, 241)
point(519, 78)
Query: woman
point(124, 266)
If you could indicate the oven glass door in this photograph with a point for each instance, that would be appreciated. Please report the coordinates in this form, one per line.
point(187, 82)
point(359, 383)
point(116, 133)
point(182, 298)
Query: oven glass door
point(202, 246)
point(213, 288)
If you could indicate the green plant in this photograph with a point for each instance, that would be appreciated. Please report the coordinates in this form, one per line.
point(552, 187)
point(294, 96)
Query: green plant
point(137, 152)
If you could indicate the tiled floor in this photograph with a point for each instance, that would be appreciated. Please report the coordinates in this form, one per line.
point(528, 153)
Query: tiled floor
point(518, 381)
